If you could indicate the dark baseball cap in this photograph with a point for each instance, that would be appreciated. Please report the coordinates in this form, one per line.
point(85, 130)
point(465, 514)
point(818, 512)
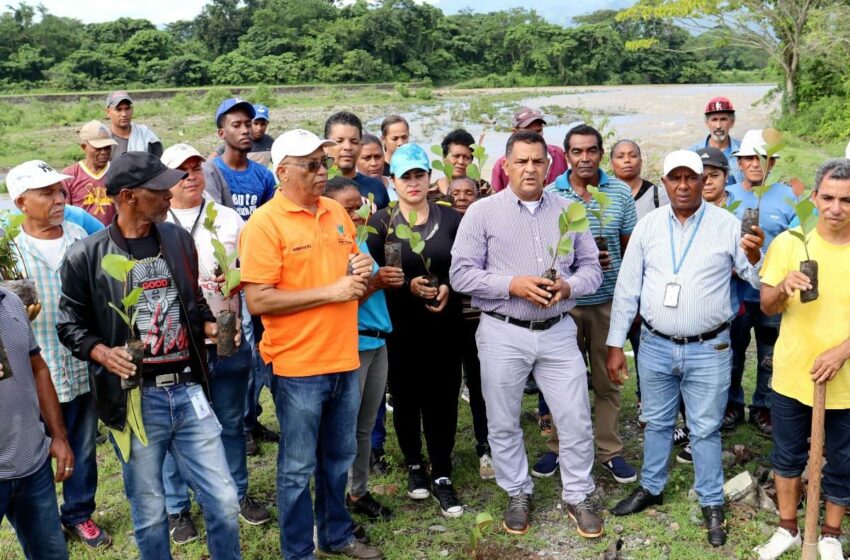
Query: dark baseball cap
point(140, 170)
point(116, 97)
point(713, 157)
point(525, 116)
point(230, 104)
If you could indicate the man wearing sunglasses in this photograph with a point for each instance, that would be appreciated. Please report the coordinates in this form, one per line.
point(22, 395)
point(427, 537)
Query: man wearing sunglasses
point(303, 275)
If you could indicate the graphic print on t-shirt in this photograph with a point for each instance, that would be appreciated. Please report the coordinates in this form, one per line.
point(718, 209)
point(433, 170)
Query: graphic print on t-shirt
point(96, 201)
point(159, 322)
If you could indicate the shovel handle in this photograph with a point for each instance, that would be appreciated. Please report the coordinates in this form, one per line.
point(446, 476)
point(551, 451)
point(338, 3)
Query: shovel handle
point(810, 539)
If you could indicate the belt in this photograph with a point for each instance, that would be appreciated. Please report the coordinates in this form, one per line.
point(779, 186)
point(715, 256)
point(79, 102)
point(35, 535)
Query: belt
point(708, 335)
point(169, 379)
point(530, 325)
point(373, 334)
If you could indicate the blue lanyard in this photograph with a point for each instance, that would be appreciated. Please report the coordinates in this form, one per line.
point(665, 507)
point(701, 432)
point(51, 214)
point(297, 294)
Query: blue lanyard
point(677, 266)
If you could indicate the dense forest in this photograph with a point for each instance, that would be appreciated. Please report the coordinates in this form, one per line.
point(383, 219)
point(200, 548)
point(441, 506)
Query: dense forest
point(308, 41)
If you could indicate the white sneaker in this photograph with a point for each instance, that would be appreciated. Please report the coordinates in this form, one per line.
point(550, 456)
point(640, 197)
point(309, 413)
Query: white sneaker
point(779, 542)
point(829, 548)
point(485, 468)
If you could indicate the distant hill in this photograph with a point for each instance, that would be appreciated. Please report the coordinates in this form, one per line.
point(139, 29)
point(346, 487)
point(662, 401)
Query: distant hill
point(560, 12)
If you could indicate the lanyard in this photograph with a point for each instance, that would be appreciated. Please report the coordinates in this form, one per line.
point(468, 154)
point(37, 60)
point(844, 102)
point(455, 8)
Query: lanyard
point(197, 218)
point(677, 266)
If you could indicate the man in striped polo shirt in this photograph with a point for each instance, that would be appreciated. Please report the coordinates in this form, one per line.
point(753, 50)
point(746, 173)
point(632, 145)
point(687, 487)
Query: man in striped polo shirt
point(592, 313)
point(675, 276)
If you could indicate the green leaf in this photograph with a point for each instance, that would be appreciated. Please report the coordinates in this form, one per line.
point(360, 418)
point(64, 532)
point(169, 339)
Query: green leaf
point(798, 235)
point(483, 520)
point(412, 217)
point(580, 225)
point(132, 298)
point(732, 207)
point(565, 246)
point(371, 230)
point(209, 219)
point(117, 266)
point(415, 238)
point(133, 318)
point(576, 211)
point(474, 537)
point(232, 279)
point(761, 190)
point(438, 165)
point(473, 172)
point(563, 222)
point(428, 264)
point(437, 149)
point(121, 314)
point(402, 231)
point(418, 248)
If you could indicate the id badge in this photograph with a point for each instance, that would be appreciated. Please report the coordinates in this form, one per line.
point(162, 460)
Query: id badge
point(199, 402)
point(671, 295)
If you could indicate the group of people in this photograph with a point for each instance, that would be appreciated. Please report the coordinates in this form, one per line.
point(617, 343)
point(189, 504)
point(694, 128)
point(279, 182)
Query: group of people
point(384, 279)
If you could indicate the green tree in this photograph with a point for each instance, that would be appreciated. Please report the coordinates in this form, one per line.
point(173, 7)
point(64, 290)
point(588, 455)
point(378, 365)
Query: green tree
point(149, 44)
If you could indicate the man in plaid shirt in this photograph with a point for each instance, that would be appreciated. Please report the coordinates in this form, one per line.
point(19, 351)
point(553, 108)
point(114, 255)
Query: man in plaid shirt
point(45, 237)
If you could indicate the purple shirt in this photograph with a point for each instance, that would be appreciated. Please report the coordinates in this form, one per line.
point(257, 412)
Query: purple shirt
point(499, 238)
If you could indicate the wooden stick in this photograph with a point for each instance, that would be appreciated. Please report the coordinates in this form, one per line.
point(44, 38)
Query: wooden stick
point(810, 542)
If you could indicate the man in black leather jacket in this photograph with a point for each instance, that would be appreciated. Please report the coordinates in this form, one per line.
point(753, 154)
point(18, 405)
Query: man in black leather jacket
point(170, 411)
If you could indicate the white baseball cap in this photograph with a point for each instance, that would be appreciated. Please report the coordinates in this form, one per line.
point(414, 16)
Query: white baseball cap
point(30, 175)
point(682, 158)
point(297, 142)
point(174, 156)
point(753, 144)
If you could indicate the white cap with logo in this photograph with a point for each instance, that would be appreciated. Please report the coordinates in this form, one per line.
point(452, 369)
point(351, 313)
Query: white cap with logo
point(176, 155)
point(297, 142)
point(31, 175)
point(682, 158)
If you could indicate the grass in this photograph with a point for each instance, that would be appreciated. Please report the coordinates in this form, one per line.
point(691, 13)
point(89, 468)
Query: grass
point(418, 531)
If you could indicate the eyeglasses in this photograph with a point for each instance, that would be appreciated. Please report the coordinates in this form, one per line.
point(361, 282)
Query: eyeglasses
point(313, 165)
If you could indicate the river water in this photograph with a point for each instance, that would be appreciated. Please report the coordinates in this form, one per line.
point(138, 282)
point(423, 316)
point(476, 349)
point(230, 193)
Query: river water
point(660, 118)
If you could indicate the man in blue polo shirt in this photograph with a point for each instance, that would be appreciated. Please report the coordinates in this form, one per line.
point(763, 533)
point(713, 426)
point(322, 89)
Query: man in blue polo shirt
point(775, 216)
point(592, 313)
point(719, 119)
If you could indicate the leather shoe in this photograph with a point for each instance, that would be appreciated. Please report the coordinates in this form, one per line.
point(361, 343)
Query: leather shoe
point(715, 525)
point(637, 501)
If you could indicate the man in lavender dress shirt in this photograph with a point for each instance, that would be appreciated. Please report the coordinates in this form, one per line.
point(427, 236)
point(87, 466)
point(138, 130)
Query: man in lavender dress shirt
point(500, 253)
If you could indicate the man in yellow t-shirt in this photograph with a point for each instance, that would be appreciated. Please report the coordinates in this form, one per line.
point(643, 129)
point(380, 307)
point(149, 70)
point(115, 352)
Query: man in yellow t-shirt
point(813, 347)
point(296, 251)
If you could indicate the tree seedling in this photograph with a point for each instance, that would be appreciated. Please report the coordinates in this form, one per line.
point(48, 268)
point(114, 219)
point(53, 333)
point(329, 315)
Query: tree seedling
point(10, 256)
point(773, 139)
point(805, 210)
point(417, 245)
point(603, 202)
point(573, 219)
point(392, 249)
point(482, 522)
point(119, 267)
point(226, 318)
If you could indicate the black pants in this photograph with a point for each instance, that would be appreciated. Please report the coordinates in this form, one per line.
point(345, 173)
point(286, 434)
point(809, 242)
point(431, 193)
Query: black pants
point(472, 375)
point(424, 376)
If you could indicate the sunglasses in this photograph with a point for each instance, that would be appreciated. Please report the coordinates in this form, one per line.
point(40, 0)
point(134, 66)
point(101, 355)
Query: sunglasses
point(313, 165)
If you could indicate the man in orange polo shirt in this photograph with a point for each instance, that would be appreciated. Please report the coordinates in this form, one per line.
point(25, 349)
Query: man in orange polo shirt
point(296, 252)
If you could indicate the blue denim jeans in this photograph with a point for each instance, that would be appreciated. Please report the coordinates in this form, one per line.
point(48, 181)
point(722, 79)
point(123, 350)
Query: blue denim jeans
point(767, 331)
point(78, 491)
point(259, 377)
point(228, 383)
point(173, 426)
point(700, 372)
point(318, 420)
point(30, 505)
point(792, 424)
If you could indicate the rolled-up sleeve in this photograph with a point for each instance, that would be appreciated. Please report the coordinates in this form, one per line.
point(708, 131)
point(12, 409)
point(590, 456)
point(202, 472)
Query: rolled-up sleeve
point(468, 273)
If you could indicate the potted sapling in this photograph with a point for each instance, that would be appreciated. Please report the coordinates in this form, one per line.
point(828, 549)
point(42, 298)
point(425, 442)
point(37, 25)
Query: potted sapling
point(226, 318)
point(362, 231)
point(603, 202)
point(417, 245)
point(573, 219)
point(773, 138)
point(11, 276)
point(392, 249)
point(119, 267)
point(805, 210)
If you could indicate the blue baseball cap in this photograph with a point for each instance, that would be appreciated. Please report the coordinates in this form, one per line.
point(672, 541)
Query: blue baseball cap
point(230, 104)
point(407, 157)
point(261, 112)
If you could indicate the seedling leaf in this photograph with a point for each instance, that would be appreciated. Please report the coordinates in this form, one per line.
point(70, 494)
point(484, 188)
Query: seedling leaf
point(117, 266)
point(402, 231)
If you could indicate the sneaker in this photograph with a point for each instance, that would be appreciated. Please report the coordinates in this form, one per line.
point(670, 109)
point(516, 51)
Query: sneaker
point(685, 456)
point(515, 520)
point(545, 423)
point(253, 512)
point(265, 434)
point(251, 447)
point(779, 542)
point(417, 483)
point(485, 467)
point(464, 393)
point(829, 548)
point(90, 534)
point(378, 462)
point(368, 506)
point(762, 420)
point(732, 419)
point(621, 470)
point(182, 529)
point(354, 549)
point(588, 523)
point(389, 402)
point(545, 466)
point(680, 436)
point(445, 495)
